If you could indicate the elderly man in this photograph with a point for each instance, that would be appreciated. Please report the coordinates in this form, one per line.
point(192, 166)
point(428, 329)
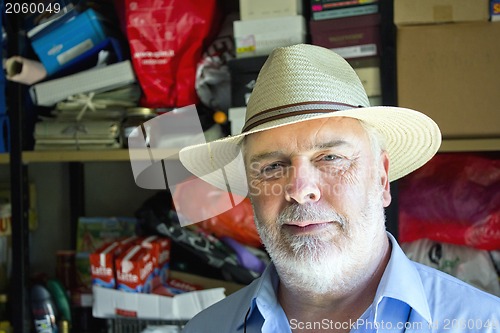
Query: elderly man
point(318, 161)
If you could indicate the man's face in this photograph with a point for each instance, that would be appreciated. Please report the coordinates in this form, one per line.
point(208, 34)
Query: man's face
point(318, 194)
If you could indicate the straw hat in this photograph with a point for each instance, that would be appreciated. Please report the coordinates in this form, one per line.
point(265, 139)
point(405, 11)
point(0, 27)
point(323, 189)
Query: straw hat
point(303, 82)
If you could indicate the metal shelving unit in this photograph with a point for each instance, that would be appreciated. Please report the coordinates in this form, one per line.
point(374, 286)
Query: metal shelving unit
point(18, 291)
point(19, 160)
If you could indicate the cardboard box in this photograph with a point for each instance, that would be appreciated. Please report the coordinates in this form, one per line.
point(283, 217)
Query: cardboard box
point(135, 270)
point(260, 9)
point(244, 72)
point(159, 247)
point(407, 12)
point(351, 37)
point(260, 37)
point(94, 232)
point(108, 303)
point(112, 303)
point(451, 73)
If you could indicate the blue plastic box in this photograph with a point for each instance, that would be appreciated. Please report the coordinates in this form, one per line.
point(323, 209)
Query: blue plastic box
point(66, 39)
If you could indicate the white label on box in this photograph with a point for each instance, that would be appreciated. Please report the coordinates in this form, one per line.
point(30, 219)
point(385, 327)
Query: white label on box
point(245, 44)
point(75, 51)
point(357, 51)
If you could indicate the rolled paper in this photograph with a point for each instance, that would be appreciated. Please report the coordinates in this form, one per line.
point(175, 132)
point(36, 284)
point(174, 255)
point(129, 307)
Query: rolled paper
point(24, 70)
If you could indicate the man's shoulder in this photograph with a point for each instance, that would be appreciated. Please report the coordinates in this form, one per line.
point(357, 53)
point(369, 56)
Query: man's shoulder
point(225, 315)
point(443, 289)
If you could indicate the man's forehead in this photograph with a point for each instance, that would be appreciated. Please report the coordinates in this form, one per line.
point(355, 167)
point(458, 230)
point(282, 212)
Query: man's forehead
point(308, 135)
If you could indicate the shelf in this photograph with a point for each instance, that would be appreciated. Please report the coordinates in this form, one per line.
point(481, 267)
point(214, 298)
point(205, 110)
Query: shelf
point(470, 145)
point(90, 155)
point(448, 145)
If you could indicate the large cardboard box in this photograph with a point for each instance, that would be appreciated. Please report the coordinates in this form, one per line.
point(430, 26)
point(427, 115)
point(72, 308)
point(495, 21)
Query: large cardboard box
point(407, 12)
point(451, 72)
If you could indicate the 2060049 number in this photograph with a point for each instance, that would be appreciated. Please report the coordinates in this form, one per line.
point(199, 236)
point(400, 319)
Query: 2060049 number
point(32, 8)
point(469, 324)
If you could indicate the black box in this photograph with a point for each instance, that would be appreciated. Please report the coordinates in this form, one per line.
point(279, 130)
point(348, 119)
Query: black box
point(244, 72)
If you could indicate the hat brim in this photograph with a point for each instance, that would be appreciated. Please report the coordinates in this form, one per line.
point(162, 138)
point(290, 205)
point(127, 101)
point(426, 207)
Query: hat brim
point(411, 139)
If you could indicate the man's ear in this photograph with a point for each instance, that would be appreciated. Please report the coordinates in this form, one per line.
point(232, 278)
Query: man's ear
point(384, 178)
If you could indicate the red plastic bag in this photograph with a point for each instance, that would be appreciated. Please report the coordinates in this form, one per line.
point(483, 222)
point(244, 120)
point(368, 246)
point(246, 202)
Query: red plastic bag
point(195, 198)
point(237, 223)
point(167, 39)
point(454, 198)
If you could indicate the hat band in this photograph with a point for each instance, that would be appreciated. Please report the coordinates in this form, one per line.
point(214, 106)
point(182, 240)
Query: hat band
point(294, 110)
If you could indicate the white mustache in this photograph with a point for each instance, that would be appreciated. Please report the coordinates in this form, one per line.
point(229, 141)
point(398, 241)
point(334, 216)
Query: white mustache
point(309, 213)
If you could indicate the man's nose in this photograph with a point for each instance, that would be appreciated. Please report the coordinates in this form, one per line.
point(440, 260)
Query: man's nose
point(302, 186)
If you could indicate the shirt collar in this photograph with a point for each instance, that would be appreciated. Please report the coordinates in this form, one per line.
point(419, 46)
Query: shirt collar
point(265, 289)
point(400, 281)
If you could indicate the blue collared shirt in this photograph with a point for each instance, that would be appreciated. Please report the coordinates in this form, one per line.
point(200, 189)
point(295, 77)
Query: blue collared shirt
point(410, 298)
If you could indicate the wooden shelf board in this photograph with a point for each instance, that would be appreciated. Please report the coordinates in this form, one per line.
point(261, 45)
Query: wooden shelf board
point(92, 156)
point(448, 145)
point(469, 145)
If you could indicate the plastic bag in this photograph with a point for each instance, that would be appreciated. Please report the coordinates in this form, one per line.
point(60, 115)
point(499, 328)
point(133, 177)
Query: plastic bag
point(166, 41)
point(470, 265)
point(193, 250)
point(454, 198)
point(199, 198)
point(213, 80)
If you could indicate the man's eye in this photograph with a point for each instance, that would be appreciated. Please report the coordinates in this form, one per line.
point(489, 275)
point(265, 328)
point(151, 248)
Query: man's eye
point(272, 170)
point(331, 157)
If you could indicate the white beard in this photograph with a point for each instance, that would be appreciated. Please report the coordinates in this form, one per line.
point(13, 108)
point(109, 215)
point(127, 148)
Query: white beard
point(333, 261)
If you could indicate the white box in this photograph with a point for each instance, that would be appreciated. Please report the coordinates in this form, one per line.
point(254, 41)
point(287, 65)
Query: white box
point(109, 302)
point(260, 9)
point(375, 100)
point(260, 37)
point(96, 79)
point(237, 119)
point(370, 78)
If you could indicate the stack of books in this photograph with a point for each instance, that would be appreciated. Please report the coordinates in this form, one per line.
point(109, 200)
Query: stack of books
point(332, 9)
point(351, 29)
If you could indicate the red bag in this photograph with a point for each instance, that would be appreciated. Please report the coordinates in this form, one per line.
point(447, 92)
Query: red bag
point(167, 39)
point(196, 198)
point(454, 198)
